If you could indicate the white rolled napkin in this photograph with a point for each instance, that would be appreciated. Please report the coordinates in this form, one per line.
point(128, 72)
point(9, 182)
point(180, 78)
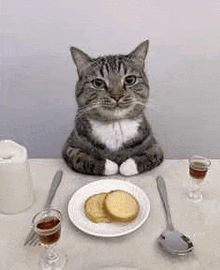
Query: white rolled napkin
point(16, 192)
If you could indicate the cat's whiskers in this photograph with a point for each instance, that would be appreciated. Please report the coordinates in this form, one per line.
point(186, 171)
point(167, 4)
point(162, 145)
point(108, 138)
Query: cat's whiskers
point(135, 102)
point(98, 104)
point(105, 103)
point(82, 111)
point(152, 105)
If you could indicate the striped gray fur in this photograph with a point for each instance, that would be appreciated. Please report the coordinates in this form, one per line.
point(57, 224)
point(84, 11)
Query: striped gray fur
point(111, 132)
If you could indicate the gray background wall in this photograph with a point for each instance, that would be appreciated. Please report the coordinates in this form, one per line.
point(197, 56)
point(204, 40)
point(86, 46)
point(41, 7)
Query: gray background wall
point(37, 106)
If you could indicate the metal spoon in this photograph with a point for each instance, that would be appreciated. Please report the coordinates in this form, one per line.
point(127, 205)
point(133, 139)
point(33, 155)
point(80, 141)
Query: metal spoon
point(171, 240)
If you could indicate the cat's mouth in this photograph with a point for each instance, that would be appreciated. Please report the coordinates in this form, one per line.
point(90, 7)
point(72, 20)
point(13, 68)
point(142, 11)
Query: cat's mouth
point(111, 110)
point(122, 103)
point(121, 111)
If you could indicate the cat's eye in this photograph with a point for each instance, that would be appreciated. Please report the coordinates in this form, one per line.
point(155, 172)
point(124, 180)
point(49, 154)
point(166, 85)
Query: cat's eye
point(98, 83)
point(129, 80)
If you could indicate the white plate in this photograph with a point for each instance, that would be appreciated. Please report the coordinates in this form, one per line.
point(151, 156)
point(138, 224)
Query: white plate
point(79, 219)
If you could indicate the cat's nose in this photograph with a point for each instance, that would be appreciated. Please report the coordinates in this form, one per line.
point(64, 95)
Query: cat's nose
point(116, 97)
point(116, 94)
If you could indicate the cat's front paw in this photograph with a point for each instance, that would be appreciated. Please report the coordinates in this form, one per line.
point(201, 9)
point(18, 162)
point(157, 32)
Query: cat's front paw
point(110, 167)
point(128, 168)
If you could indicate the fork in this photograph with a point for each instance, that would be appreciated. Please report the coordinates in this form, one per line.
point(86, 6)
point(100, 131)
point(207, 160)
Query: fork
point(32, 238)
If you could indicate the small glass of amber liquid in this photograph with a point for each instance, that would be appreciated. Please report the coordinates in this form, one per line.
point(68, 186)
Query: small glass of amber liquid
point(47, 225)
point(198, 167)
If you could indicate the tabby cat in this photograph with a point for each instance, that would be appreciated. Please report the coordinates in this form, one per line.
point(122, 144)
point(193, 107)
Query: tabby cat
point(111, 133)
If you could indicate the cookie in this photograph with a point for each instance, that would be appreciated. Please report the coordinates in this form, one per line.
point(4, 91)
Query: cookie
point(121, 206)
point(94, 208)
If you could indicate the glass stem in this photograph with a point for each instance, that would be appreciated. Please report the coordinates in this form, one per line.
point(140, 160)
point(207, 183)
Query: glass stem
point(52, 252)
point(195, 189)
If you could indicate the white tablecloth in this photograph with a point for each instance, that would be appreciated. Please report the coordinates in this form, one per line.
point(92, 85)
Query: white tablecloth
point(199, 221)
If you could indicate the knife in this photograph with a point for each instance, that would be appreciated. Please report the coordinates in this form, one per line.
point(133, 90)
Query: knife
point(53, 188)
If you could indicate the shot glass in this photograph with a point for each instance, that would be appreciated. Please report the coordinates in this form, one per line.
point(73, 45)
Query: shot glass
point(198, 168)
point(47, 225)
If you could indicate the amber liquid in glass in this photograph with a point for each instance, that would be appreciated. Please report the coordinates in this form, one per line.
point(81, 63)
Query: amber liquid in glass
point(198, 170)
point(51, 236)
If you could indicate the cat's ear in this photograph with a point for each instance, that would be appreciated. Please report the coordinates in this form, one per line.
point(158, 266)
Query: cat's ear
point(139, 54)
point(80, 59)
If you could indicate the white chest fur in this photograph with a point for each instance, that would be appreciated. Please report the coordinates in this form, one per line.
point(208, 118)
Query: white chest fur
point(114, 134)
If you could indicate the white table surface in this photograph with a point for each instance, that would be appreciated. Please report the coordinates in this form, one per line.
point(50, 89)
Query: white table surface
point(199, 221)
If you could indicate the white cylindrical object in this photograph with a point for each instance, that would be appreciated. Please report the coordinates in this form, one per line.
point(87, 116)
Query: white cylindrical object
point(16, 192)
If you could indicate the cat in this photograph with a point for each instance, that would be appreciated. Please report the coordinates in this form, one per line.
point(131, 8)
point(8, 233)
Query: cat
point(111, 133)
